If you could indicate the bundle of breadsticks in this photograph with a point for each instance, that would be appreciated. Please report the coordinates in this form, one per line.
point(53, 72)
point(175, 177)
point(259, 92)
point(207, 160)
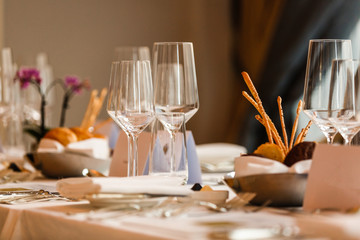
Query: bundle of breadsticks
point(93, 108)
point(276, 146)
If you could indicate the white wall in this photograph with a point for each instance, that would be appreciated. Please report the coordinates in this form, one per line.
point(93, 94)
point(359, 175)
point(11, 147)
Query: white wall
point(79, 37)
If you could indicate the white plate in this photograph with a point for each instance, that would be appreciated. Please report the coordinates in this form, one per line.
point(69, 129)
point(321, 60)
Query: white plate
point(123, 201)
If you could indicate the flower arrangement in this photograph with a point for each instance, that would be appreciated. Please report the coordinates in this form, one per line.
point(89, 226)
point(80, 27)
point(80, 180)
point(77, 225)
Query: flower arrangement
point(70, 84)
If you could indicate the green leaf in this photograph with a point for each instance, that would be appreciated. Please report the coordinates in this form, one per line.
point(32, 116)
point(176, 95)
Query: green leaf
point(35, 131)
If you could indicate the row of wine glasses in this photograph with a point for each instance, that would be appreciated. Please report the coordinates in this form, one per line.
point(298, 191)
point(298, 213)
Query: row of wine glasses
point(331, 92)
point(133, 102)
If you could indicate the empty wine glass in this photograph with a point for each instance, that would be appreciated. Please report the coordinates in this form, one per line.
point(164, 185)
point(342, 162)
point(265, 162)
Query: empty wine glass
point(321, 53)
point(176, 94)
point(132, 53)
point(131, 103)
point(344, 105)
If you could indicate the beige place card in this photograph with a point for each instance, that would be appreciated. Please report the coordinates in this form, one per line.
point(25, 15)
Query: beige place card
point(334, 178)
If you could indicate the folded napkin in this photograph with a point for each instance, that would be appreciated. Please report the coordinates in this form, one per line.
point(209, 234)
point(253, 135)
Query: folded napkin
point(92, 147)
point(251, 165)
point(79, 187)
point(50, 145)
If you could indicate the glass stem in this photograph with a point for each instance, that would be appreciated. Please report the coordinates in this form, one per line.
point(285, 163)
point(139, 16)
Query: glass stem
point(330, 138)
point(132, 156)
point(348, 140)
point(172, 152)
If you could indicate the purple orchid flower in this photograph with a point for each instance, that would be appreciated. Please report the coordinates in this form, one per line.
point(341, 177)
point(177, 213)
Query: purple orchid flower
point(75, 85)
point(28, 75)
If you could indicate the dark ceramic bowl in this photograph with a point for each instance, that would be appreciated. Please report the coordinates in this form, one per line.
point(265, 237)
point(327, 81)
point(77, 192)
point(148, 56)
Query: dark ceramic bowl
point(282, 189)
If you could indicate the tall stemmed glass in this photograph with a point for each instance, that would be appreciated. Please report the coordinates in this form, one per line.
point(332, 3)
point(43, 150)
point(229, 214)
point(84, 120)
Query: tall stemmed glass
point(344, 102)
point(321, 53)
point(176, 93)
point(132, 53)
point(131, 103)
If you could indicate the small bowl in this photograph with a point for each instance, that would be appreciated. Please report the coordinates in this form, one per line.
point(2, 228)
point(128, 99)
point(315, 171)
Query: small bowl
point(61, 165)
point(215, 196)
point(282, 189)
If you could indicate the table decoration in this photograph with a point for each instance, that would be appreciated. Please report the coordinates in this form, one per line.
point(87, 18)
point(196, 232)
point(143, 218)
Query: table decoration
point(266, 172)
point(281, 147)
point(66, 151)
point(60, 154)
point(70, 84)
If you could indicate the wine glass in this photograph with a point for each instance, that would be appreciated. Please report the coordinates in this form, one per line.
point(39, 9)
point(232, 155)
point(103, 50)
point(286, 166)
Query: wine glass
point(344, 105)
point(321, 53)
point(131, 103)
point(132, 53)
point(176, 93)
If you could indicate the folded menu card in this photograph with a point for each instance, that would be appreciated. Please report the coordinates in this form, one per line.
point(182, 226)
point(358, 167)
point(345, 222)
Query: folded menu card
point(79, 187)
point(334, 178)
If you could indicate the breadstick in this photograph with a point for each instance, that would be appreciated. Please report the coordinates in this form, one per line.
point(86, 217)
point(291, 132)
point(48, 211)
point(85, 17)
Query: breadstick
point(87, 115)
point(275, 135)
point(92, 116)
point(98, 102)
point(251, 100)
point(272, 126)
point(295, 124)
point(299, 137)
point(305, 130)
point(258, 101)
point(281, 113)
point(103, 123)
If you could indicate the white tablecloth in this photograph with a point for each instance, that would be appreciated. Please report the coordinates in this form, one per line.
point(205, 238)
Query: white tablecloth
point(58, 220)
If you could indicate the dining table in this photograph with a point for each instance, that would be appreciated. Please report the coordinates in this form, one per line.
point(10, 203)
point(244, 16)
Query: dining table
point(57, 217)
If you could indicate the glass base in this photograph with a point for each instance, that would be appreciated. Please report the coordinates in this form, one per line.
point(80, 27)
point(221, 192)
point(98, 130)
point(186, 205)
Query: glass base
point(181, 175)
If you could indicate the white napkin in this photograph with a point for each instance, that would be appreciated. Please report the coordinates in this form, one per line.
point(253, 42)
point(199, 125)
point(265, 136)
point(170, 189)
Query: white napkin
point(79, 187)
point(92, 147)
point(50, 145)
point(251, 165)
